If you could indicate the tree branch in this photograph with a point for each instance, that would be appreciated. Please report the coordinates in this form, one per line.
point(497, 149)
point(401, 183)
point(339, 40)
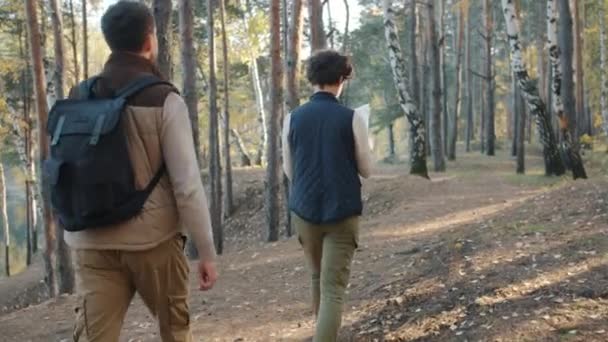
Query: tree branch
point(485, 77)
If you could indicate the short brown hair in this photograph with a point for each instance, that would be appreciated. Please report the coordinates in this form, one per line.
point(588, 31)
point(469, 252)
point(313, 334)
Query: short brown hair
point(328, 67)
point(126, 24)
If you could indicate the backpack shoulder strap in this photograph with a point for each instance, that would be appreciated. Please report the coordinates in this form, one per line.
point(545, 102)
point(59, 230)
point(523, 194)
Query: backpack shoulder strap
point(85, 88)
point(140, 84)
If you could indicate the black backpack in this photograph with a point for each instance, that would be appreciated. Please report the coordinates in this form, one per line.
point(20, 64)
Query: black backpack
point(89, 171)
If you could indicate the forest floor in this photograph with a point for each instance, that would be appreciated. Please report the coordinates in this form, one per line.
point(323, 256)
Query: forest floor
point(476, 254)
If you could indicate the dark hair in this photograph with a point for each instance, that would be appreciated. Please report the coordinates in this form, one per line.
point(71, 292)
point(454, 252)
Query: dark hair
point(126, 24)
point(328, 67)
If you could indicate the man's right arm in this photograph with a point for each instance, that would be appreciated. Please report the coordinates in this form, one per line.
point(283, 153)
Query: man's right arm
point(182, 166)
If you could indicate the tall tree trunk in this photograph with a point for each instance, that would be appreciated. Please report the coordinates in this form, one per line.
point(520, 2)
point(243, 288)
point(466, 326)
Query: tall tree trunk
point(566, 41)
point(42, 110)
point(74, 43)
point(458, 97)
point(469, 82)
point(245, 157)
point(560, 92)
point(345, 38)
point(482, 116)
point(276, 95)
point(442, 71)
point(489, 74)
point(414, 68)
point(261, 158)
point(25, 99)
point(294, 47)
point(5, 223)
point(228, 195)
point(435, 103)
point(390, 130)
point(530, 92)
point(581, 127)
point(318, 40)
point(189, 90)
point(602, 71)
point(163, 12)
point(215, 173)
point(85, 40)
point(408, 104)
point(520, 143)
point(65, 271)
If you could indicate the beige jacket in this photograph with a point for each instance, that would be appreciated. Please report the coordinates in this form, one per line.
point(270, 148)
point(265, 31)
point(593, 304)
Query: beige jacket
point(178, 203)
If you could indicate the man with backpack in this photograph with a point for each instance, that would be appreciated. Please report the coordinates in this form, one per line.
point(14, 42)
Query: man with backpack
point(124, 179)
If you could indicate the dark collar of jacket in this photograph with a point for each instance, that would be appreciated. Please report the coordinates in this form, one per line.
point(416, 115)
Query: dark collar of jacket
point(324, 96)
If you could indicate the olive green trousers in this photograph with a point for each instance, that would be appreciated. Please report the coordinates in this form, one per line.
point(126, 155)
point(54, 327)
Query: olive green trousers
point(329, 251)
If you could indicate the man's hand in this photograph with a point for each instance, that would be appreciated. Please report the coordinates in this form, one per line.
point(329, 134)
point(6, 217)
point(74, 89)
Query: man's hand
point(207, 275)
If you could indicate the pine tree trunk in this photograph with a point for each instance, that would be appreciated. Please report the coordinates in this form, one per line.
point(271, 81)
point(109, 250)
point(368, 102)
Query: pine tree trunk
point(520, 145)
point(391, 143)
point(42, 110)
point(85, 40)
point(602, 71)
point(228, 195)
point(469, 82)
point(560, 88)
point(414, 68)
point(5, 223)
point(530, 92)
point(189, 90)
point(276, 94)
point(65, 271)
point(294, 46)
point(458, 97)
point(74, 43)
point(318, 40)
point(23, 136)
point(215, 173)
point(489, 74)
point(435, 103)
point(415, 119)
point(581, 127)
point(163, 13)
point(442, 75)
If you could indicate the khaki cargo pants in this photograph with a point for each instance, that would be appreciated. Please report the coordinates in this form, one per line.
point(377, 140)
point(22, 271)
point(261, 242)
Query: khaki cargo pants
point(108, 280)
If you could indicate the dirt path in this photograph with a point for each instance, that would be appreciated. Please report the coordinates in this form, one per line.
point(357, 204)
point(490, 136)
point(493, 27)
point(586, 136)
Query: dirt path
point(478, 254)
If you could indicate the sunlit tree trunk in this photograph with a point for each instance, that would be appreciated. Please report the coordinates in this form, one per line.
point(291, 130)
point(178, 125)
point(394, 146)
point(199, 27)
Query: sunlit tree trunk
point(228, 196)
point(569, 151)
point(5, 223)
point(65, 271)
point(74, 42)
point(581, 122)
point(215, 172)
point(602, 71)
point(435, 102)
point(442, 72)
point(85, 39)
point(489, 78)
point(163, 13)
point(417, 127)
point(273, 173)
point(318, 40)
point(414, 68)
point(42, 110)
point(469, 82)
point(245, 157)
point(458, 97)
point(530, 91)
